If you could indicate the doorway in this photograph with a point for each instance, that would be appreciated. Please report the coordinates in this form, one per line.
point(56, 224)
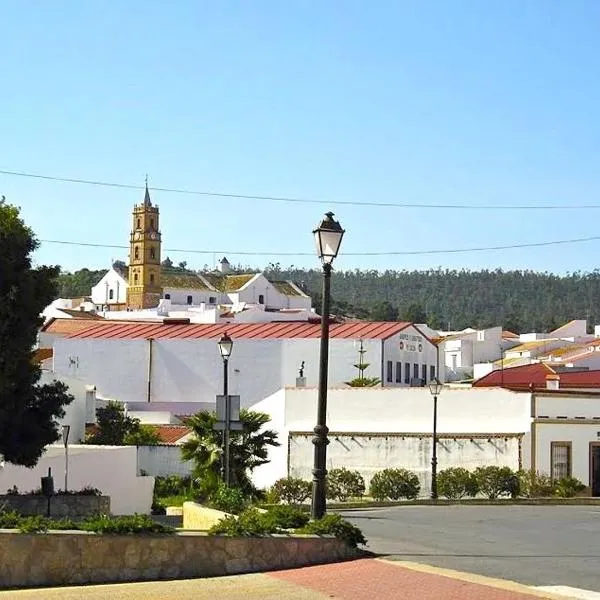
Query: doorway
point(595, 468)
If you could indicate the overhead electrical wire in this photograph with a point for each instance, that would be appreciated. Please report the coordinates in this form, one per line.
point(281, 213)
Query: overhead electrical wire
point(387, 253)
point(304, 200)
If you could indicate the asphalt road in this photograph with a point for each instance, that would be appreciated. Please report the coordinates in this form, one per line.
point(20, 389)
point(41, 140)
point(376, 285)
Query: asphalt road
point(533, 545)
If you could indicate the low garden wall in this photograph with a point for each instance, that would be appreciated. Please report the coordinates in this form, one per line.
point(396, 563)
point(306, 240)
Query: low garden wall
point(60, 506)
point(74, 558)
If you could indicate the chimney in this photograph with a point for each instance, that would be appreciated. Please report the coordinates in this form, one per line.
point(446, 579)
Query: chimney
point(224, 266)
point(552, 382)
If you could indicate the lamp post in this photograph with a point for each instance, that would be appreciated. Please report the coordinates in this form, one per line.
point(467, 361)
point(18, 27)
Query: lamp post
point(328, 238)
point(65, 436)
point(225, 348)
point(435, 387)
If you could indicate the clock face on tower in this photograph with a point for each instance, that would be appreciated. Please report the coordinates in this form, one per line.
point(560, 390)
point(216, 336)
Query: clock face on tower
point(154, 236)
point(137, 235)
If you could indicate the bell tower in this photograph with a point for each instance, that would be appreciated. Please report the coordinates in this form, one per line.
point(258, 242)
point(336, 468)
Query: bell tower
point(144, 289)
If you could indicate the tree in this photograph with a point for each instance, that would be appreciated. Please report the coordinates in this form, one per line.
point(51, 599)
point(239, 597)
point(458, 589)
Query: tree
point(116, 428)
point(362, 366)
point(384, 311)
point(414, 313)
point(28, 411)
point(248, 449)
point(168, 263)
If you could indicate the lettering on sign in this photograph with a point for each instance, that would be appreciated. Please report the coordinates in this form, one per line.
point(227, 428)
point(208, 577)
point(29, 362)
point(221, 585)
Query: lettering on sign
point(411, 343)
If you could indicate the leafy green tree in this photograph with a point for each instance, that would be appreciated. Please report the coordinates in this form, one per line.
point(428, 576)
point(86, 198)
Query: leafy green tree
point(383, 311)
point(28, 411)
point(248, 449)
point(414, 313)
point(79, 283)
point(362, 366)
point(116, 428)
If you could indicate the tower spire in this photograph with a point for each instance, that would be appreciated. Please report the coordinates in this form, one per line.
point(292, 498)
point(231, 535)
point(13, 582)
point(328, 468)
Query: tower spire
point(147, 201)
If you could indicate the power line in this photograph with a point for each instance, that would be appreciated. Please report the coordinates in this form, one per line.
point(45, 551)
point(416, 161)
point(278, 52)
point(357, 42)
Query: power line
point(304, 200)
point(387, 253)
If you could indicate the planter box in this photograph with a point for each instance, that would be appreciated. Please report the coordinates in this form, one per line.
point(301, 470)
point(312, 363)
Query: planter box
point(60, 506)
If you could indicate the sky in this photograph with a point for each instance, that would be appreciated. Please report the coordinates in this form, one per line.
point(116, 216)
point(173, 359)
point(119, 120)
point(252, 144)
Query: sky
point(428, 102)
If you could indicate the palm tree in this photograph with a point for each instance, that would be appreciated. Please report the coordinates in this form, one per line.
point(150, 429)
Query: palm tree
point(248, 449)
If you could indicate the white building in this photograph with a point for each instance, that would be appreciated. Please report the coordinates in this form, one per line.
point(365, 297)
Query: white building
point(177, 364)
point(551, 431)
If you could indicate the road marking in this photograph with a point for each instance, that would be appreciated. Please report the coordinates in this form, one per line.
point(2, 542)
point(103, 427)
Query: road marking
point(570, 592)
point(503, 584)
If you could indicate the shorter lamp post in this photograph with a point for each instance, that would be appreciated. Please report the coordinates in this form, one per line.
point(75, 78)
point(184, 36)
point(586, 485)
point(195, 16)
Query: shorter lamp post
point(65, 436)
point(435, 387)
point(225, 348)
point(328, 238)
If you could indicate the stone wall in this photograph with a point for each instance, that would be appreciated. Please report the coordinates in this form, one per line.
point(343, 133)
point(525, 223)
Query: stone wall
point(60, 506)
point(74, 558)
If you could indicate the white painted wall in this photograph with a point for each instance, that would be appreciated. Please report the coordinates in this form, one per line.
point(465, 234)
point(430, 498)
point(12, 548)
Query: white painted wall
point(162, 461)
point(179, 296)
point(408, 346)
point(114, 282)
point(111, 469)
point(359, 411)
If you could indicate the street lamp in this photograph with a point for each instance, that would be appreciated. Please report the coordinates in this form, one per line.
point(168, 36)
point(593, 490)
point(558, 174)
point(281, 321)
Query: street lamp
point(225, 347)
point(435, 388)
point(328, 238)
point(65, 436)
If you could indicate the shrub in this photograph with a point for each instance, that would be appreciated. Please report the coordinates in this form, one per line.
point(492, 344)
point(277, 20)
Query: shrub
point(86, 490)
point(228, 499)
point(394, 484)
point(249, 523)
point(287, 517)
point(34, 524)
point(123, 525)
point(536, 485)
point(10, 519)
point(568, 487)
point(496, 481)
point(291, 490)
point(343, 484)
point(173, 485)
point(456, 483)
point(13, 491)
point(334, 525)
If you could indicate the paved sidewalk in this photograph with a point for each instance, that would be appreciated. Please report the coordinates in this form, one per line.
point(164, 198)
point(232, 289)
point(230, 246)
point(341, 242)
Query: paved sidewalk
point(365, 579)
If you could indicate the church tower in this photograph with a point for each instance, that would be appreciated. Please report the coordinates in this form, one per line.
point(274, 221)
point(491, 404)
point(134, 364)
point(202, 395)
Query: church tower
point(144, 289)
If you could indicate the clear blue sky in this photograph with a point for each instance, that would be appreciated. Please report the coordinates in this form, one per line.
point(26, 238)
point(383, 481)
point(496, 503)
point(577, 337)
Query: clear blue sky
point(457, 101)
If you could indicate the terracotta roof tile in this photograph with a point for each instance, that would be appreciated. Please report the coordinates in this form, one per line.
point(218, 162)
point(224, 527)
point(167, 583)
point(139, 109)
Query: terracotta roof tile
point(524, 376)
point(273, 330)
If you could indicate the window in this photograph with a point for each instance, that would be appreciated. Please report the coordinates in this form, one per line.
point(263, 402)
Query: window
point(261, 299)
point(560, 460)
point(416, 371)
point(111, 294)
point(424, 373)
point(481, 336)
point(167, 296)
point(189, 300)
point(135, 278)
point(151, 223)
point(406, 372)
point(431, 373)
point(212, 300)
point(152, 278)
point(152, 253)
point(137, 252)
point(390, 368)
point(139, 224)
point(398, 372)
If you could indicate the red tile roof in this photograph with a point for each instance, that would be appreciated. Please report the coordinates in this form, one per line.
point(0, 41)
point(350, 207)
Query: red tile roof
point(274, 330)
point(524, 376)
point(170, 434)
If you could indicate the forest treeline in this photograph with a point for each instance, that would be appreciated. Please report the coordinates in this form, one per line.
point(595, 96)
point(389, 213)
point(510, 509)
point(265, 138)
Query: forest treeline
point(520, 301)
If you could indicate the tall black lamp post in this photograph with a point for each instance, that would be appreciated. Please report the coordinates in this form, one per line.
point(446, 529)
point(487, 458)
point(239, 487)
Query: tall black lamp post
point(435, 387)
point(328, 238)
point(225, 348)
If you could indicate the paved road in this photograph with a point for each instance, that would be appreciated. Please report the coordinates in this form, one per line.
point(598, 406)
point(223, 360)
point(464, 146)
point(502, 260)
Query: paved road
point(534, 545)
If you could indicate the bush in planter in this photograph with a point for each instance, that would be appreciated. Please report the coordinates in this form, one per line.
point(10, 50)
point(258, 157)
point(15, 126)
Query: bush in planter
point(495, 481)
point(395, 484)
point(536, 485)
point(291, 490)
point(228, 499)
point(287, 517)
point(249, 523)
point(123, 525)
point(456, 483)
point(333, 524)
point(343, 484)
point(568, 487)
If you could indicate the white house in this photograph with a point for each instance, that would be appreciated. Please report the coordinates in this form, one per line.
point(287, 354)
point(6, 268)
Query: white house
point(176, 363)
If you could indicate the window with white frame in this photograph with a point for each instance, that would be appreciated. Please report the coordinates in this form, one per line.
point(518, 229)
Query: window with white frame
point(560, 460)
